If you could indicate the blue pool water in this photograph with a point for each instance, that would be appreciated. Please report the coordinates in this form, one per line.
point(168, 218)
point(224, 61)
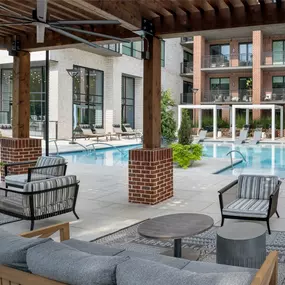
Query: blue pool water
point(269, 159)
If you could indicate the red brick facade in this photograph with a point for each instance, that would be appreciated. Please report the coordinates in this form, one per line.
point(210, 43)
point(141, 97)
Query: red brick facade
point(150, 175)
point(16, 150)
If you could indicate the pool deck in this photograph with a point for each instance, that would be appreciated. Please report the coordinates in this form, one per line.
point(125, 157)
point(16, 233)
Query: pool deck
point(103, 199)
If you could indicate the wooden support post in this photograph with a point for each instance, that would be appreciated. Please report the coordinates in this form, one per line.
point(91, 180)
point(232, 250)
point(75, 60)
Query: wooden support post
point(21, 95)
point(152, 95)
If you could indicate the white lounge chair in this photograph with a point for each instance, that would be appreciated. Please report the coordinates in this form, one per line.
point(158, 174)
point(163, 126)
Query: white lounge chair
point(201, 137)
point(242, 137)
point(88, 133)
point(256, 137)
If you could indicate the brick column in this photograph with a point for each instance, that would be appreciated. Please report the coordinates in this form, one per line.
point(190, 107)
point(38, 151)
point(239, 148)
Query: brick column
point(198, 75)
point(150, 175)
point(257, 51)
point(17, 150)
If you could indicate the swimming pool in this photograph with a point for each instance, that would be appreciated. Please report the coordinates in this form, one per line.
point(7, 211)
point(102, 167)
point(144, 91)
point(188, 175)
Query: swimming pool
point(261, 158)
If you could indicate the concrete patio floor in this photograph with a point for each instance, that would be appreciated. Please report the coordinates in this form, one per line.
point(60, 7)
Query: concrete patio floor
point(103, 199)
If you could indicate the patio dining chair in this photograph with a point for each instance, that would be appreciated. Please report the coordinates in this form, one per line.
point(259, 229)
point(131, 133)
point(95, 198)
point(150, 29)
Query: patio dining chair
point(41, 199)
point(254, 197)
point(46, 167)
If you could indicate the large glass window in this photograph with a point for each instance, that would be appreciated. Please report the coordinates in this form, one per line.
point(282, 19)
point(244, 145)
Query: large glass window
point(219, 88)
point(245, 54)
point(37, 94)
point(128, 100)
point(88, 97)
point(278, 87)
point(133, 49)
point(278, 52)
point(245, 89)
point(187, 96)
point(219, 55)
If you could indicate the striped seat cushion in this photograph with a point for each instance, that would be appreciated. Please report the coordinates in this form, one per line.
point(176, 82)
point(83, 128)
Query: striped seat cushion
point(49, 161)
point(21, 179)
point(247, 208)
point(256, 186)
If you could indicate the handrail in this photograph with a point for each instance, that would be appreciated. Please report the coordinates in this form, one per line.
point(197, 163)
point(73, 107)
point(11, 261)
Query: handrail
point(92, 144)
point(237, 151)
point(74, 142)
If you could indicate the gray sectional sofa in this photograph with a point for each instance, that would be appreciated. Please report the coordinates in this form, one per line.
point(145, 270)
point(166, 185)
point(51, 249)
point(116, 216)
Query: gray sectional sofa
point(84, 263)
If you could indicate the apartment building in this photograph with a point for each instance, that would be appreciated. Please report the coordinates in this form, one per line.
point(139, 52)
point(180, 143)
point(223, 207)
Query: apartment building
point(242, 68)
point(107, 88)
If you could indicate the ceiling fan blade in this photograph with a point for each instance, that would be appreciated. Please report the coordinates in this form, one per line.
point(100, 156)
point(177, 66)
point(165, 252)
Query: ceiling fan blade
point(67, 34)
point(14, 24)
point(94, 34)
point(86, 22)
point(3, 7)
point(42, 10)
point(41, 28)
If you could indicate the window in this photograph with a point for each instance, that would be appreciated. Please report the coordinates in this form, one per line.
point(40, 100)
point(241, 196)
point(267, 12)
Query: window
point(162, 53)
point(278, 87)
point(37, 94)
point(88, 97)
point(219, 55)
point(245, 54)
point(278, 52)
point(187, 96)
point(245, 88)
point(133, 49)
point(220, 88)
point(128, 100)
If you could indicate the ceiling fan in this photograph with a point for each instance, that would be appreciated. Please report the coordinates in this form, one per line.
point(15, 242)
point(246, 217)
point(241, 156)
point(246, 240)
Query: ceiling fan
point(39, 19)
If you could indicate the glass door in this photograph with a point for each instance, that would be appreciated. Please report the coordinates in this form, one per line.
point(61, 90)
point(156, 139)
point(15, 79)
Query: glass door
point(220, 89)
point(128, 101)
point(278, 54)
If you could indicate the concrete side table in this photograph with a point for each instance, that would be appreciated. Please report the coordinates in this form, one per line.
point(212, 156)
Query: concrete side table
point(241, 244)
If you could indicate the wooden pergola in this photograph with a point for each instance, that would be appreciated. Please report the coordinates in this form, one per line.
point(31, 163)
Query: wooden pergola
point(168, 19)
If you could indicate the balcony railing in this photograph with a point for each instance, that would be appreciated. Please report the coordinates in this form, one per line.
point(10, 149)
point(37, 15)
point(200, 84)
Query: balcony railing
point(186, 98)
point(186, 67)
point(113, 47)
point(227, 60)
point(226, 96)
point(187, 39)
point(274, 58)
point(274, 94)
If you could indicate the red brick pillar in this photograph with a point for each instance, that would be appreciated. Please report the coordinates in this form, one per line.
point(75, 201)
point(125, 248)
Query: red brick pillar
point(150, 175)
point(17, 150)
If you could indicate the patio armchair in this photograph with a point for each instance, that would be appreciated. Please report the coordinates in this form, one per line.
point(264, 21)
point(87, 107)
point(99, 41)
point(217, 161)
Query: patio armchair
point(45, 167)
point(41, 199)
point(255, 197)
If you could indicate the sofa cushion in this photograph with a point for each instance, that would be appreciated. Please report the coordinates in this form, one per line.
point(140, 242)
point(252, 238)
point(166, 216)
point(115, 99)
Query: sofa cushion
point(247, 208)
point(92, 247)
point(13, 249)
point(50, 161)
point(208, 267)
point(143, 272)
point(62, 263)
point(163, 259)
point(256, 186)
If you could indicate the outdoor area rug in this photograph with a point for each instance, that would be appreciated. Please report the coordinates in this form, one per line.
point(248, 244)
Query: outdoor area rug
point(4, 219)
point(129, 239)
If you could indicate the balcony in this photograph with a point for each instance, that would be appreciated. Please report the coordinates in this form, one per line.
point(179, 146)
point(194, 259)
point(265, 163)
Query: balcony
point(273, 60)
point(242, 61)
point(276, 95)
point(187, 41)
point(186, 98)
point(104, 50)
point(225, 97)
point(186, 68)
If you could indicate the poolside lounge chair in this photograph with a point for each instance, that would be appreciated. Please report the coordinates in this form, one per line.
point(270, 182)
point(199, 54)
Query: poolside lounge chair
point(119, 132)
point(46, 167)
point(255, 197)
point(256, 137)
point(201, 137)
point(128, 129)
point(88, 133)
point(242, 137)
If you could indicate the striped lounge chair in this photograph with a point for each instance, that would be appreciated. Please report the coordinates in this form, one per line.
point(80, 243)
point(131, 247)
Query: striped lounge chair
point(41, 199)
point(256, 198)
point(45, 167)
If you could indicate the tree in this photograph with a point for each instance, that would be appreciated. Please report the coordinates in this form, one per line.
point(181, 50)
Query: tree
point(168, 123)
point(185, 131)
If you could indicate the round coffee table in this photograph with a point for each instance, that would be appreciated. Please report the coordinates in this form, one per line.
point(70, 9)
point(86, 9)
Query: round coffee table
point(241, 244)
point(176, 226)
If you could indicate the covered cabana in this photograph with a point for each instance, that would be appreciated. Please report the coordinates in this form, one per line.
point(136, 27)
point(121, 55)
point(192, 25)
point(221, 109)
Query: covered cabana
point(273, 109)
point(200, 108)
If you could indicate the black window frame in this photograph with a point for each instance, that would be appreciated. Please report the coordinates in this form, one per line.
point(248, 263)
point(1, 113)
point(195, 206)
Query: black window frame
point(248, 55)
point(283, 52)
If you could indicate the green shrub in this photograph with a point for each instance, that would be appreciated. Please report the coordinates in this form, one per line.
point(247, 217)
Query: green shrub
point(240, 121)
point(168, 123)
point(183, 155)
point(185, 131)
point(208, 121)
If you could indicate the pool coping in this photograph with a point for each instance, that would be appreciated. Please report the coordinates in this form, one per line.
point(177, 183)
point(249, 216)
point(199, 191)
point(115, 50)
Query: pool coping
point(227, 167)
